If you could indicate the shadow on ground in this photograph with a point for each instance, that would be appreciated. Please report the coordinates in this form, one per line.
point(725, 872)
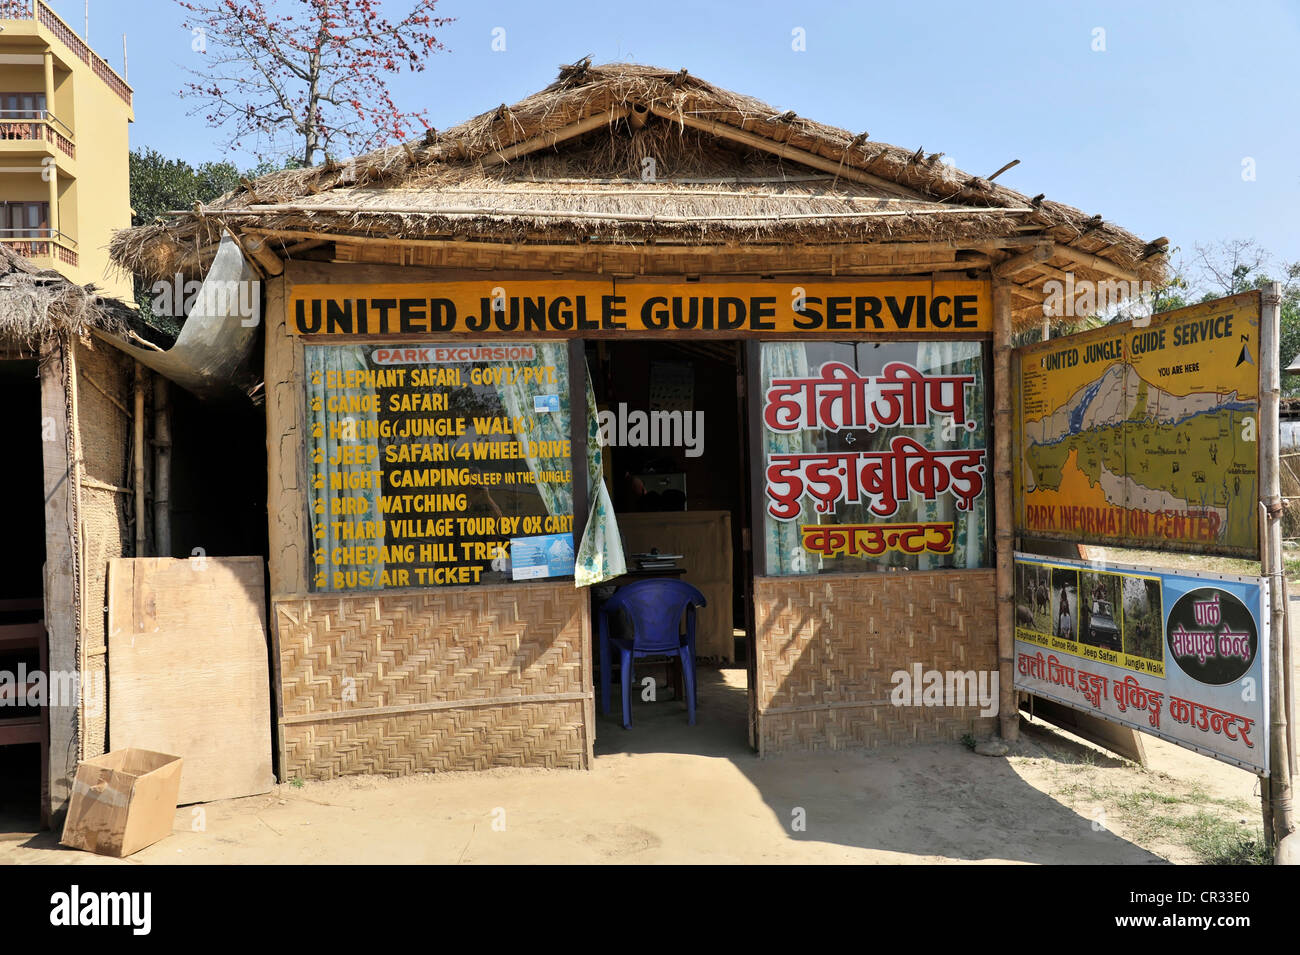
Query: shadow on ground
point(662, 791)
point(933, 801)
point(20, 793)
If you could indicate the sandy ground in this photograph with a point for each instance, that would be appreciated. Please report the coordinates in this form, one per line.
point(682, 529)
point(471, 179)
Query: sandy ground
point(667, 792)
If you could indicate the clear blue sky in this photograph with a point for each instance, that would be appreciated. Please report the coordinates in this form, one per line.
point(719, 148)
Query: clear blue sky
point(1151, 133)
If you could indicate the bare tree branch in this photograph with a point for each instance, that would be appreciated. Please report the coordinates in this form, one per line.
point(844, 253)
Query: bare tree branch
point(318, 71)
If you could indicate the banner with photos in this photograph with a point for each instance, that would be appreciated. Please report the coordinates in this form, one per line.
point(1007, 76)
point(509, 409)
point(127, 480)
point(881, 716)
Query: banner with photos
point(1179, 655)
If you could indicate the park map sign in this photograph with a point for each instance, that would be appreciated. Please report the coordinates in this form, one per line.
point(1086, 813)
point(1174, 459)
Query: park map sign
point(1144, 434)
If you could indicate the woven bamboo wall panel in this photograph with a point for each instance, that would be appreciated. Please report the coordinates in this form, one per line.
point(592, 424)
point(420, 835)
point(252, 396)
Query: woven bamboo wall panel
point(461, 678)
point(827, 648)
point(103, 436)
point(551, 735)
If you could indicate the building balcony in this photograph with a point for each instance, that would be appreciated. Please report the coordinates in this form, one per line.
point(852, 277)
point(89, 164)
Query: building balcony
point(51, 25)
point(47, 247)
point(39, 128)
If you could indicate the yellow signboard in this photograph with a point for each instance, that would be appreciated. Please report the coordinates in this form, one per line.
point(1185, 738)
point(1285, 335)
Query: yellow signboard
point(1145, 435)
point(503, 307)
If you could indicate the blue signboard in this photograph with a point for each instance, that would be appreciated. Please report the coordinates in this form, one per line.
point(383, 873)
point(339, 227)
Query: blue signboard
point(1182, 656)
point(548, 555)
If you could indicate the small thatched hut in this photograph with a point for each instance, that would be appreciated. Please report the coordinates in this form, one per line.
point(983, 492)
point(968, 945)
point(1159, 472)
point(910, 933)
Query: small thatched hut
point(70, 395)
point(97, 436)
point(701, 254)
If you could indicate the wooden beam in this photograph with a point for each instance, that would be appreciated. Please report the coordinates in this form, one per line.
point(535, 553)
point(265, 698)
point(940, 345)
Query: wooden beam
point(547, 140)
point(1019, 263)
point(260, 250)
point(659, 248)
point(100, 388)
point(299, 247)
point(1050, 271)
point(137, 452)
point(784, 150)
point(621, 268)
point(1095, 262)
point(1008, 711)
point(1279, 818)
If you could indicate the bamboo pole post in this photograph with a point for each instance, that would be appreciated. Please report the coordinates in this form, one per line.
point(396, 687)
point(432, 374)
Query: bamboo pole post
point(1279, 788)
point(138, 456)
point(77, 534)
point(1265, 781)
point(162, 468)
point(1008, 710)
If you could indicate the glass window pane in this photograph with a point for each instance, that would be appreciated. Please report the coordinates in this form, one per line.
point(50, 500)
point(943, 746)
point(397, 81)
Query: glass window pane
point(433, 465)
point(875, 456)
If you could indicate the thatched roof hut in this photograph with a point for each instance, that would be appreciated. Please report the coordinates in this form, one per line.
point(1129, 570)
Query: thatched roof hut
point(38, 305)
point(598, 199)
point(52, 335)
point(658, 157)
point(100, 455)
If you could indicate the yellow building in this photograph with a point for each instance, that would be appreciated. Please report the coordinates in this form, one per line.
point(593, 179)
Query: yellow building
point(57, 96)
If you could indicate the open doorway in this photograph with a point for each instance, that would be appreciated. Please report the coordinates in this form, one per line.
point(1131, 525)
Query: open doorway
point(672, 419)
point(22, 634)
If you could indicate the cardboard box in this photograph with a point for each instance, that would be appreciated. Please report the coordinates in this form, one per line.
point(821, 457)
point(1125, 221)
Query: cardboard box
point(122, 801)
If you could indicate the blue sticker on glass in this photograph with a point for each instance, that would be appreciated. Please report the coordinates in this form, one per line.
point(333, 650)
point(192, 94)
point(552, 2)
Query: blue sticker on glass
point(549, 555)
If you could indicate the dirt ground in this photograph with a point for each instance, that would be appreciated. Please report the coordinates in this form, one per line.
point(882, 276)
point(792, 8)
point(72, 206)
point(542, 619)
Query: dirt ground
point(667, 792)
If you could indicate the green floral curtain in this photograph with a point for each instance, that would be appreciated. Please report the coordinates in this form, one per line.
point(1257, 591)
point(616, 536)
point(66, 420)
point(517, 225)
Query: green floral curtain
point(551, 426)
point(600, 557)
point(971, 527)
point(785, 551)
point(327, 432)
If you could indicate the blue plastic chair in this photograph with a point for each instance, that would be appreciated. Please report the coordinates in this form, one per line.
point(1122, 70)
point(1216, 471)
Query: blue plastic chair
point(654, 607)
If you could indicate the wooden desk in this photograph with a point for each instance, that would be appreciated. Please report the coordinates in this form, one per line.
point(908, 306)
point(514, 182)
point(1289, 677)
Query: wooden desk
point(632, 576)
point(703, 538)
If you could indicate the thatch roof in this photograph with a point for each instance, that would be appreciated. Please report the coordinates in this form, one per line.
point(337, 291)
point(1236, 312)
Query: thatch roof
point(567, 165)
point(37, 305)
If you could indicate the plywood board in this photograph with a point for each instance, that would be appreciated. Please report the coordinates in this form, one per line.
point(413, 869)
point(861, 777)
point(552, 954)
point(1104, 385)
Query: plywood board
point(188, 669)
point(703, 538)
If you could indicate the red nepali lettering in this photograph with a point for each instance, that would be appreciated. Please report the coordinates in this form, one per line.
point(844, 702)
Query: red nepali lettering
point(841, 399)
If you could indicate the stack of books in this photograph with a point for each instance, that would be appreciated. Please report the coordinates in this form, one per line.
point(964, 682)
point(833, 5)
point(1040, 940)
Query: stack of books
point(656, 561)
